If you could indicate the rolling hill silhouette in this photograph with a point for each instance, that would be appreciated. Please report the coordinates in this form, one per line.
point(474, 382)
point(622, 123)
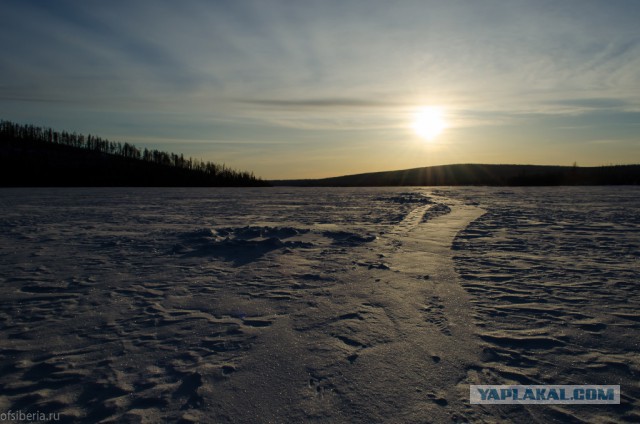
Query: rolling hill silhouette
point(486, 175)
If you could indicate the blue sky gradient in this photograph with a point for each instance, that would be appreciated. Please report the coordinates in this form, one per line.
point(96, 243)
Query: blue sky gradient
point(297, 89)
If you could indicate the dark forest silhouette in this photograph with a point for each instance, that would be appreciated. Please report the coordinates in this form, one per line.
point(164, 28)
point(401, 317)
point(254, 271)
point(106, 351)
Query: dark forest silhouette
point(37, 156)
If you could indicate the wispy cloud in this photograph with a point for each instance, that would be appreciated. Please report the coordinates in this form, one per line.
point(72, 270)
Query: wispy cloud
point(321, 103)
point(238, 70)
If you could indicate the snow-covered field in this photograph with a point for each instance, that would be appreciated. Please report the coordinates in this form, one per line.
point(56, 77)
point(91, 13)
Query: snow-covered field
point(316, 305)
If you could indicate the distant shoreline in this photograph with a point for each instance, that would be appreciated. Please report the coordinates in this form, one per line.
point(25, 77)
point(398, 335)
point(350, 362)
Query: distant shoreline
point(482, 175)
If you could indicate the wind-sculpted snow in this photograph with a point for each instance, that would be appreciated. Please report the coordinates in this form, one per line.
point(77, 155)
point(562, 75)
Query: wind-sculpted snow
point(345, 238)
point(247, 244)
point(314, 305)
point(148, 304)
point(267, 238)
point(435, 211)
point(406, 198)
point(554, 278)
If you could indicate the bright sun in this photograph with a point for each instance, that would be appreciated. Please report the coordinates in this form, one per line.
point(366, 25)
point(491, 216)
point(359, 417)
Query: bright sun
point(429, 122)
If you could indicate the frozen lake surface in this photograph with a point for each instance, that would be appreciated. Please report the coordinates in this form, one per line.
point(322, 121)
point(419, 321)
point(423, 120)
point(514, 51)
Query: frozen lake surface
point(316, 305)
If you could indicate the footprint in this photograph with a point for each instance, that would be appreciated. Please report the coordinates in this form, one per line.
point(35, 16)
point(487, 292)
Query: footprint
point(189, 389)
point(319, 386)
point(257, 322)
point(228, 370)
point(434, 314)
point(438, 400)
point(353, 315)
point(349, 341)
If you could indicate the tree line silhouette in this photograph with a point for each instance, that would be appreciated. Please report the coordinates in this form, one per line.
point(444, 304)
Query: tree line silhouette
point(32, 155)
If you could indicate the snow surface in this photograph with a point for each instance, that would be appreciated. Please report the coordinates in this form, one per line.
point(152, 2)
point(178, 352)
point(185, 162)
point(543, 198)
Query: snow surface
point(316, 305)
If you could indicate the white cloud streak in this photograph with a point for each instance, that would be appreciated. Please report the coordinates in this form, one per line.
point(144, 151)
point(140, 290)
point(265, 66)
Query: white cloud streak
point(319, 65)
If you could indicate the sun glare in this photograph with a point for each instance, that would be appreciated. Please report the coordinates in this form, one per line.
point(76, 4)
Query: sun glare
point(429, 122)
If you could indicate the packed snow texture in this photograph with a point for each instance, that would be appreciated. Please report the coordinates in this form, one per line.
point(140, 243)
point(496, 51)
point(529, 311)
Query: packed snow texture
point(316, 305)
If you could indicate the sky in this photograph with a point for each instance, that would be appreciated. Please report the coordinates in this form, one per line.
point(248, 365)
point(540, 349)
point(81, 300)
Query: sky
point(310, 89)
